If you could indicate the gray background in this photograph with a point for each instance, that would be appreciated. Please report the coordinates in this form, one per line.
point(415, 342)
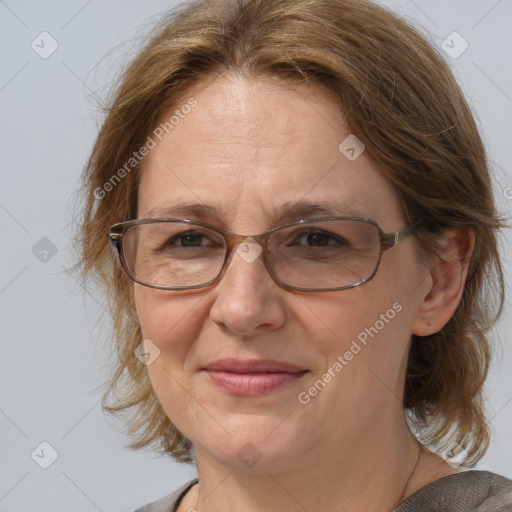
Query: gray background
point(54, 339)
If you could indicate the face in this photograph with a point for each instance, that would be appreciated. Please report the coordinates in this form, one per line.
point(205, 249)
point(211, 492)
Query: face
point(248, 150)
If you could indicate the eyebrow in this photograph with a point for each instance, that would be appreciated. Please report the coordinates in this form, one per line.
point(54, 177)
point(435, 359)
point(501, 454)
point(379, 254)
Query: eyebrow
point(184, 208)
point(286, 212)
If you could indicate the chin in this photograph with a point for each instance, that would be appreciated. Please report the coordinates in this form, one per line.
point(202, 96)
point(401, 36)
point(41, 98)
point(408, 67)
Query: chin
point(257, 445)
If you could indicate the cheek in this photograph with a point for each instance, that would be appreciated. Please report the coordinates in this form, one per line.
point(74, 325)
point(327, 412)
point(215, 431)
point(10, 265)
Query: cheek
point(356, 314)
point(365, 330)
point(169, 320)
point(383, 317)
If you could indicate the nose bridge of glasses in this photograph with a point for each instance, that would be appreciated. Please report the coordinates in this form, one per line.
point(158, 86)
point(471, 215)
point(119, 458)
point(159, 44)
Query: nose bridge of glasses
point(233, 239)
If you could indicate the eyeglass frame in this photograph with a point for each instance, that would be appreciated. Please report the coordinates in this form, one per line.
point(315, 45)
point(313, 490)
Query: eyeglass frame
point(386, 242)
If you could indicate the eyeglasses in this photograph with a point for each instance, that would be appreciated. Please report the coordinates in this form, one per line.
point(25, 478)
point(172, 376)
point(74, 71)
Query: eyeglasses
point(319, 254)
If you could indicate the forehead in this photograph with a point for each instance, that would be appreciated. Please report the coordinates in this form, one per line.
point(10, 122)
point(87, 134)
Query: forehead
point(250, 146)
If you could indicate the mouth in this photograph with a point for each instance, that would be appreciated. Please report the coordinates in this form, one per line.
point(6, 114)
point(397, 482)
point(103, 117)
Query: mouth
point(254, 377)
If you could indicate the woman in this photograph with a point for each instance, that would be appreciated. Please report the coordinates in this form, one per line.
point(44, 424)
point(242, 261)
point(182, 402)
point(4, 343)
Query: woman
point(308, 266)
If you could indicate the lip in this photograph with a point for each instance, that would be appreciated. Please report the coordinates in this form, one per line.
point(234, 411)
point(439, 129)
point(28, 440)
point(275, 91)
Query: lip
point(253, 377)
point(252, 366)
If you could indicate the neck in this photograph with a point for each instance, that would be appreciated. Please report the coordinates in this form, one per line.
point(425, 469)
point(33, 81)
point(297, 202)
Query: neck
point(374, 476)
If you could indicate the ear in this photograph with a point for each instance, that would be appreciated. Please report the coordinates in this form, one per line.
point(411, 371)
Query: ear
point(446, 284)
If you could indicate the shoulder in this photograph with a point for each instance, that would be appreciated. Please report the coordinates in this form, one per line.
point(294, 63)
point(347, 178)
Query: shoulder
point(478, 491)
point(169, 502)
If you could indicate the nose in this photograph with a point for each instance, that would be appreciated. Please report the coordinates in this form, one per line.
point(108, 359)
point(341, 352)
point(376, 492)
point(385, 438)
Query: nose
point(247, 300)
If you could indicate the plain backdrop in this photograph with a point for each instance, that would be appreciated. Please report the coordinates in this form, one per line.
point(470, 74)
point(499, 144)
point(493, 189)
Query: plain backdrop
point(54, 346)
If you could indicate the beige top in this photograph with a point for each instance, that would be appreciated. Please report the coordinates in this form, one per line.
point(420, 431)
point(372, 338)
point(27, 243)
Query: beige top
point(469, 491)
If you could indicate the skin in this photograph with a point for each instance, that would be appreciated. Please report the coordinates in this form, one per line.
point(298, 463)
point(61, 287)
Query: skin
point(248, 147)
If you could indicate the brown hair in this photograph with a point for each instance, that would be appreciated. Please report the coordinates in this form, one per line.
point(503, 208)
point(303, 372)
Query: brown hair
point(398, 97)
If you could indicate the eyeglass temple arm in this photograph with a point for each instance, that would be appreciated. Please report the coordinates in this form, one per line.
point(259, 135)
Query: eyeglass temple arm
point(115, 238)
point(391, 239)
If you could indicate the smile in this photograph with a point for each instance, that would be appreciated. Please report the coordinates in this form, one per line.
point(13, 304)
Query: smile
point(254, 377)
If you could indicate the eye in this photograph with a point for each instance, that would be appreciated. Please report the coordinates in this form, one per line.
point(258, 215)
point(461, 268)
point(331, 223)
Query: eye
point(319, 238)
point(190, 239)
